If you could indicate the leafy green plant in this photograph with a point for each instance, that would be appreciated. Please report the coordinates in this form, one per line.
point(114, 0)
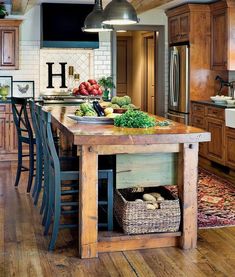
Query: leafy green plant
point(3, 11)
point(106, 82)
point(134, 119)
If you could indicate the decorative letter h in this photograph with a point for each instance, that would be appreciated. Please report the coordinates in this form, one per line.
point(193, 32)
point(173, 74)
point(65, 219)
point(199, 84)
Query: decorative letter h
point(51, 75)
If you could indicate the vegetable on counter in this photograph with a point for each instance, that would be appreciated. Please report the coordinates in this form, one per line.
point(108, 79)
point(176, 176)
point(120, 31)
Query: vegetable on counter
point(135, 119)
point(85, 109)
point(123, 102)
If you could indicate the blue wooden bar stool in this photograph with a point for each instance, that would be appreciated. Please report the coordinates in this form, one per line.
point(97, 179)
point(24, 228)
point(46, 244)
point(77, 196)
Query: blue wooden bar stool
point(62, 187)
point(24, 135)
point(39, 156)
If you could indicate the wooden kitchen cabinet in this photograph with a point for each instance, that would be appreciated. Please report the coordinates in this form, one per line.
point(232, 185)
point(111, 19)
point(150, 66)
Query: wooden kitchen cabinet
point(9, 44)
point(223, 35)
point(191, 24)
point(215, 149)
point(198, 120)
point(230, 147)
point(3, 133)
point(179, 28)
point(211, 119)
point(8, 135)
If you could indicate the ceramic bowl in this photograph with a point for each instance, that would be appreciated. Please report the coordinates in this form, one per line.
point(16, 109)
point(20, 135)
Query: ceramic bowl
point(230, 101)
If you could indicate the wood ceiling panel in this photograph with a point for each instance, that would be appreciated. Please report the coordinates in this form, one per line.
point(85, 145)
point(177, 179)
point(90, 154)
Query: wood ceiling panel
point(145, 5)
point(19, 6)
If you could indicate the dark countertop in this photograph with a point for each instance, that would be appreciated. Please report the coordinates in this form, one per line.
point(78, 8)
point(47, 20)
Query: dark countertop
point(210, 103)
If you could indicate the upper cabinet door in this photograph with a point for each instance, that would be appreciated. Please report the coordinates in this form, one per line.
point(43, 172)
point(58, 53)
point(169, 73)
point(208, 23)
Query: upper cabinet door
point(9, 44)
point(184, 24)
point(173, 29)
point(219, 40)
point(223, 35)
point(8, 47)
point(178, 27)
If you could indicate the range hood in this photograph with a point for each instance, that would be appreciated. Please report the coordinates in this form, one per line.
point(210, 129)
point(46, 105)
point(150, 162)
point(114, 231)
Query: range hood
point(61, 26)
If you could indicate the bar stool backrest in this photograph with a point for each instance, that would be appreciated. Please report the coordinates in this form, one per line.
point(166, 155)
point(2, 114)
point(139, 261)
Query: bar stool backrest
point(35, 121)
point(21, 119)
point(48, 142)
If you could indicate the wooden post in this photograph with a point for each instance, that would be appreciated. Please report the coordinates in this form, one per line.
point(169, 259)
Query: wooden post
point(187, 185)
point(88, 202)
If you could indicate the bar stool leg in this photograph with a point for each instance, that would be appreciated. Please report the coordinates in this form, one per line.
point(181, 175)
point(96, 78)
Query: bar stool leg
point(31, 167)
point(19, 166)
point(110, 201)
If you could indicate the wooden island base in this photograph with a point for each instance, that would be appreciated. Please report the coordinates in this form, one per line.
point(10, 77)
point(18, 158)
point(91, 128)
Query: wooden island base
point(94, 140)
point(112, 241)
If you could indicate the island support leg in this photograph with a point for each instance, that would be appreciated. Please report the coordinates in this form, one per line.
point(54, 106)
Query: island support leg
point(88, 203)
point(187, 184)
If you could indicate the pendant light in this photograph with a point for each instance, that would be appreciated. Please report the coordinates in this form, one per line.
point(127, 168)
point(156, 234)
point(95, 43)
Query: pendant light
point(120, 12)
point(94, 20)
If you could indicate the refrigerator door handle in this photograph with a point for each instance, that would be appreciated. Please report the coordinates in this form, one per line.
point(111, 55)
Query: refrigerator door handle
point(174, 78)
point(171, 114)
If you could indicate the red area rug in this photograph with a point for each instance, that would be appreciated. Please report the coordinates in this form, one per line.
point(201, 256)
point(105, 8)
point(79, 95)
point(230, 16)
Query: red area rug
point(216, 201)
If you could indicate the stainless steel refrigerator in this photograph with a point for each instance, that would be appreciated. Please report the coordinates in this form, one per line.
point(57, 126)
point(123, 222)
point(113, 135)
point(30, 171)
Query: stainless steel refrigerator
point(178, 98)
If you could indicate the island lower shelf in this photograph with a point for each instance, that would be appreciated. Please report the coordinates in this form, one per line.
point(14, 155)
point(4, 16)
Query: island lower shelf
point(117, 241)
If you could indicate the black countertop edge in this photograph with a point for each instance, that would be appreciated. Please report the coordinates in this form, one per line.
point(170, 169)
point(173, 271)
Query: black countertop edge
point(210, 103)
point(8, 101)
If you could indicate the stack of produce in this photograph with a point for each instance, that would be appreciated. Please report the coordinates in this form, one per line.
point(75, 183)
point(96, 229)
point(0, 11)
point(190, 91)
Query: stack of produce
point(123, 102)
point(91, 87)
point(85, 109)
point(152, 200)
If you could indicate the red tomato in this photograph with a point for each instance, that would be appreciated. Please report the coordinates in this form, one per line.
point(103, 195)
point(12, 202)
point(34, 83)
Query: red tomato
point(100, 92)
point(89, 89)
point(95, 86)
point(92, 81)
point(83, 92)
point(94, 92)
point(82, 86)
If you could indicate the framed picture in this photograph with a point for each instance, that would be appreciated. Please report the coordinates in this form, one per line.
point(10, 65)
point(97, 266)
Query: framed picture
point(24, 89)
point(6, 81)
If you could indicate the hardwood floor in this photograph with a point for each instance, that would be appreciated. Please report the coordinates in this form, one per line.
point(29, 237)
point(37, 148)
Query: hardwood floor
point(23, 248)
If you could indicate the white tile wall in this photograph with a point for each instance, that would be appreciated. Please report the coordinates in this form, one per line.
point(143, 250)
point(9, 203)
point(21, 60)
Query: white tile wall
point(88, 63)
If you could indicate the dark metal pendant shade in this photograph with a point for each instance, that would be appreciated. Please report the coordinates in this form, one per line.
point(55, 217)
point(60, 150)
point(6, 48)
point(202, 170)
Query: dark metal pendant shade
point(94, 20)
point(120, 12)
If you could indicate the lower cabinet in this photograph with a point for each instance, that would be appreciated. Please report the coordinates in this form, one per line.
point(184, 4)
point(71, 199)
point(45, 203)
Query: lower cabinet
point(199, 122)
point(221, 148)
point(8, 135)
point(215, 148)
point(230, 147)
point(3, 133)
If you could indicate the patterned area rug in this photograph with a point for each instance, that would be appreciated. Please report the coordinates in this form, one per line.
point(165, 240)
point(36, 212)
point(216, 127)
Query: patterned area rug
point(216, 201)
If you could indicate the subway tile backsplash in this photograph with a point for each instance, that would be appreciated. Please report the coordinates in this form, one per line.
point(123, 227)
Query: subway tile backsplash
point(88, 63)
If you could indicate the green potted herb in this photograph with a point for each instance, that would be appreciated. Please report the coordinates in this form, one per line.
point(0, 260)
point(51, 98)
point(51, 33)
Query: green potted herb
point(107, 84)
point(3, 11)
point(4, 91)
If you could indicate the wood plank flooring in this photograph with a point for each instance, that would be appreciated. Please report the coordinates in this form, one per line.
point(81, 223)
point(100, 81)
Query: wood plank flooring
point(23, 248)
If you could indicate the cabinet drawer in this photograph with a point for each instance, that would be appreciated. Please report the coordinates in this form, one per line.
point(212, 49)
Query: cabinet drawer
point(215, 112)
point(198, 122)
point(3, 108)
point(198, 109)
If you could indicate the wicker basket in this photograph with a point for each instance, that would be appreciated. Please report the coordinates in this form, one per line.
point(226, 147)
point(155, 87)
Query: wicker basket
point(135, 218)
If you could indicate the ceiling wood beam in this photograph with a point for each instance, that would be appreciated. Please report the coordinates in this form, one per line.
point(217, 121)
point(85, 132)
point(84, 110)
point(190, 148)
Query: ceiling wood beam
point(145, 5)
point(19, 6)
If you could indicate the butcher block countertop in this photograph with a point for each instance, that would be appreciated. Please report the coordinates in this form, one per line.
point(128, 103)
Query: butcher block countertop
point(97, 134)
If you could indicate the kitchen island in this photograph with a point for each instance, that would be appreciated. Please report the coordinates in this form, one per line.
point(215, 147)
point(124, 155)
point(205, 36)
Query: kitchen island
point(95, 139)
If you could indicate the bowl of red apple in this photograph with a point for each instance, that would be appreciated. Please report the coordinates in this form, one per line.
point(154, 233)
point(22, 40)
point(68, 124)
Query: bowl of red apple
point(89, 88)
